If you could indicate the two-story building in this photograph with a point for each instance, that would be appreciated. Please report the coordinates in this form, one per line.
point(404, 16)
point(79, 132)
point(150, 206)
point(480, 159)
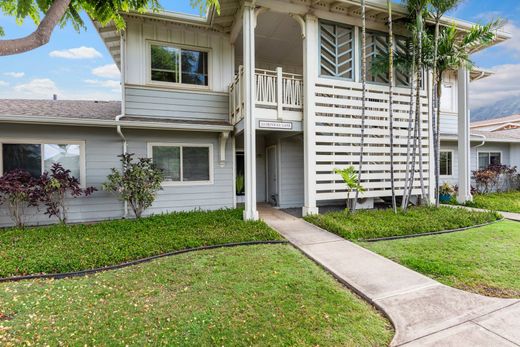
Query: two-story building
point(267, 90)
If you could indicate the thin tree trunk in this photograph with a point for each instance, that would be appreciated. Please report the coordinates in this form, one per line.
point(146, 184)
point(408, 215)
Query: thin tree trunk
point(390, 101)
point(407, 184)
point(435, 119)
point(41, 35)
point(363, 96)
point(416, 132)
point(418, 105)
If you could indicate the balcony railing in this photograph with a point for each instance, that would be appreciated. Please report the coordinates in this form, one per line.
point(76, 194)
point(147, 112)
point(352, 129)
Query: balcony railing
point(277, 91)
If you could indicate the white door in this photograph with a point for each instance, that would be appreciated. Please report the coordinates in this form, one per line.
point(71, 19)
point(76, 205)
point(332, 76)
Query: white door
point(272, 176)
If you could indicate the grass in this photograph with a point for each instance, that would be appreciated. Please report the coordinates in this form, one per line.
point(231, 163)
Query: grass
point(483, 260)
point(507, 201)
point(370, 224)
point(59, 248)
point(246, 296)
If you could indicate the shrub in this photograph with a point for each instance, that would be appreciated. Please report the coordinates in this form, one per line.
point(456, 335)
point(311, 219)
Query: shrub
point(496, 178)
point(137, 183)
point(18, 190)
point(55, 186)
point(351, 179)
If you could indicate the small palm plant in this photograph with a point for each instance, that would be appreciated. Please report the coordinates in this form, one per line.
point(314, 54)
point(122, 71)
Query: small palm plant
point(351, 179)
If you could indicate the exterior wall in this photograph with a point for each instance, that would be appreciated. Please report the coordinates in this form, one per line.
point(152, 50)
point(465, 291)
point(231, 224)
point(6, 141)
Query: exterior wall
point(291, 172)
point(102, 146)
point(176, 104)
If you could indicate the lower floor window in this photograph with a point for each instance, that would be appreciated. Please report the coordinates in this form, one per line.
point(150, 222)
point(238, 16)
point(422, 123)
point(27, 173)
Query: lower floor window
point(446, 163)
point(183, 163)
point(486, 159)
point(37, 158)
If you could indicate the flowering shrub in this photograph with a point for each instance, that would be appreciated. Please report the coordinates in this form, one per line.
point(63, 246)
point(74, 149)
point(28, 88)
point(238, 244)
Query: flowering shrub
point(18, 190)
point(496, 178)
point(55, 186)
point(137, 183)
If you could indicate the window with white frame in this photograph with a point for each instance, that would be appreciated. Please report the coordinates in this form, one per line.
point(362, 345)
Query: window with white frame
point(172, 64)
point(183, 163)
point(38, 157)
point(485, 159)
point(446, 163)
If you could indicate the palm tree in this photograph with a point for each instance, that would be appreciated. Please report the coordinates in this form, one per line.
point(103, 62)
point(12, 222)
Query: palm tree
point(351, 179)
point(363, 95)
point(391, 100)
point(439, 8)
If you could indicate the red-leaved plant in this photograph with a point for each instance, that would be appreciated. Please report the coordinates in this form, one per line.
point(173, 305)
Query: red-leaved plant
point(55, 186)
point(18, 190)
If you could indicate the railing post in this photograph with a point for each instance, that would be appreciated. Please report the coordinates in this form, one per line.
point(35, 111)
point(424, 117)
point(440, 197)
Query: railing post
point(279, 92)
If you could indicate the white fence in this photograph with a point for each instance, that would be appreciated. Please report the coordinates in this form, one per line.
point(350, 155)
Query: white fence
point(275, 90)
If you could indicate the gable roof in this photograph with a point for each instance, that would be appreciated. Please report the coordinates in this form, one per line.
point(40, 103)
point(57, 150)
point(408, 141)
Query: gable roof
point(77, 109)
point(496, 121)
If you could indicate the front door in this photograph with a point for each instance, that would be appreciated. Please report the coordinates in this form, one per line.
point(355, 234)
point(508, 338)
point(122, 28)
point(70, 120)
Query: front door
point(272, 176)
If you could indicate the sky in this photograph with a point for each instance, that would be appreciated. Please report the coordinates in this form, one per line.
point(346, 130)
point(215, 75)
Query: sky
point(77, 65)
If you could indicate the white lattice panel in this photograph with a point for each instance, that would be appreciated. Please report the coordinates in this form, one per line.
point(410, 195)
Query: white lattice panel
point(338, 137)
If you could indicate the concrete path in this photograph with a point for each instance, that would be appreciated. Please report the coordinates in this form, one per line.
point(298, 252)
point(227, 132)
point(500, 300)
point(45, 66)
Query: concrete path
point(507, 215)
point(423, 311)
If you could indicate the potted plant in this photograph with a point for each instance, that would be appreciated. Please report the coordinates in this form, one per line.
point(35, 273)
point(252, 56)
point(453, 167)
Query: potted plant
point(445, 192)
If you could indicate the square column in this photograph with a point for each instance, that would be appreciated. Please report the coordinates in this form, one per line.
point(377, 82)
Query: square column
point(248, 25)
point(310, 74)
point(464, 193)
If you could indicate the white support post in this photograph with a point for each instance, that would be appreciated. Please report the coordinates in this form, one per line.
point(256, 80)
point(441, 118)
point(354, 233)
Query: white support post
point(464, 193)
point(431, 143)
point(279, 92)
point(310, 75)
point(249, 23)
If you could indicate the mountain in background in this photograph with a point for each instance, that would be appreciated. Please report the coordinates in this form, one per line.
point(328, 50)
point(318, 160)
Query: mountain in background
point(501, 108)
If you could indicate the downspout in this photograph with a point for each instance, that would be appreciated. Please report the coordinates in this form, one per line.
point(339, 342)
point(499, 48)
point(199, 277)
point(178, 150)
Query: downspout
point(123, 107)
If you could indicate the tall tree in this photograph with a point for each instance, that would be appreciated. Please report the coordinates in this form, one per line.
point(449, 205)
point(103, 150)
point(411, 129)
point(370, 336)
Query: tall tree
point(438, 10)
point(391, 100)
point(61, 12)
point(363, 95)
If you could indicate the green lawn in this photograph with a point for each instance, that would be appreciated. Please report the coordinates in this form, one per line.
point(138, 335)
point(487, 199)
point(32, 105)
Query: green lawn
point(269, 295)
point(507, 202)
point(370, 224)
point(61, 248)
point(484, 260)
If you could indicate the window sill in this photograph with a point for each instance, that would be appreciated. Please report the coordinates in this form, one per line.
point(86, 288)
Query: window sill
point(186, 184)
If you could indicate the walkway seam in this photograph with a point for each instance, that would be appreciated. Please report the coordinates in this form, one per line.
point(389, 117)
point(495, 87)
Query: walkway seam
point(411, 290)
point(494, 333)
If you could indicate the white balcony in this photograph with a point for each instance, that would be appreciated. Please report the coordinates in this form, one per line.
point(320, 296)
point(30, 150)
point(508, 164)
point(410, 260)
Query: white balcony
point(279, 96)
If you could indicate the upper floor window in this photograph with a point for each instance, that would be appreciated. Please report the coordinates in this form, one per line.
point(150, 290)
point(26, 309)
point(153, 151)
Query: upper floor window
point(376, 47)
point(178, 65)
point(336, 50)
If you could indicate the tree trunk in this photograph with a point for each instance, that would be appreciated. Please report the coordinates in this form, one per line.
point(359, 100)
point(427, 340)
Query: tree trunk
point(418, 103)
point(363, 96)
point(407, 184)
point(41, 35)
point(390, 101)
point(435, 119)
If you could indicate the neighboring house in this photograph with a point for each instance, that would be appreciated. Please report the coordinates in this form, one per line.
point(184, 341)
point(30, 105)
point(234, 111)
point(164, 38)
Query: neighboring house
point(494, 141)
point(269, 89)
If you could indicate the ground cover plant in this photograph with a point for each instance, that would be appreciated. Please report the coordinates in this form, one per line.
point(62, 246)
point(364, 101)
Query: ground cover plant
point(505, 201)
point(370, 224)
point(483, 260)
point(63, 248)
point(269, 295)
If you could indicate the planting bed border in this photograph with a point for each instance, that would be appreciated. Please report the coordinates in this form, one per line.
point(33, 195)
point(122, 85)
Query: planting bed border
point(136, 262)
point(411, 236)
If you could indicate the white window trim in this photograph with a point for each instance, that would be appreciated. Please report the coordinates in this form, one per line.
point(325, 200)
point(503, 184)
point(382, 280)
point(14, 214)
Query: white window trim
point(184, 183)
point(452, 162)
point(177, 85)
point(82, 157)
point(489, 152)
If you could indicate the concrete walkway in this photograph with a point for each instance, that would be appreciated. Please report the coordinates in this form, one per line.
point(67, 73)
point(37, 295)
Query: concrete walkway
point(423, 311)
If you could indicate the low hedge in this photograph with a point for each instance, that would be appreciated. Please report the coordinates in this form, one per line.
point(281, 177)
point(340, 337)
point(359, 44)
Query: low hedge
point(370, 224)
point(65, 248)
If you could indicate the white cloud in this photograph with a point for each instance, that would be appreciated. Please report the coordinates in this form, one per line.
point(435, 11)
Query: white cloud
point(76, 53)
point(37, 87)
point(106, 71)
point(503, 84)
point(3, 83)
point(15, 74)
point(105, 83)
point(513, 44)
